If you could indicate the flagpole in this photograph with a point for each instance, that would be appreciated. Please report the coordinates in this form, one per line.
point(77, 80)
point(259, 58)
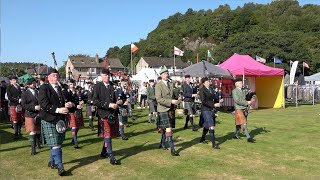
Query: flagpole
point(131, 59)
point(174, 63)
point(303, 68)
point(274, 64)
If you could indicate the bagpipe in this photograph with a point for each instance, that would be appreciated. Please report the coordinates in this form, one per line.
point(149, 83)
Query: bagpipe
point(249, 94)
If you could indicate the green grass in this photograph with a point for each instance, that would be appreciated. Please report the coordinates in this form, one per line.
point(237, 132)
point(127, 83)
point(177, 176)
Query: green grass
point(287, 147)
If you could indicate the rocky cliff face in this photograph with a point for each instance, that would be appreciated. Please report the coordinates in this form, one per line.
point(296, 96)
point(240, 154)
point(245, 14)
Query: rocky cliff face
point(198, 43)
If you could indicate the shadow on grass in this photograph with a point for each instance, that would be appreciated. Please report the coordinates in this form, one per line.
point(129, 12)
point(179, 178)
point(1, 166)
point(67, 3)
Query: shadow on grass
point(188, 144)
point(253, 133)
point(125, 153)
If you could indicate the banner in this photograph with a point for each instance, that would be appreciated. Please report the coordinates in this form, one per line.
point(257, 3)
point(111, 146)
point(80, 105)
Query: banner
point(293, 71)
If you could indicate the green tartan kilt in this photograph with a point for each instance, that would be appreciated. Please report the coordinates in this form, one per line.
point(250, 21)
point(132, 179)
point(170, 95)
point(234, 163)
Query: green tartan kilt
point(122, 119)
point(165, 120)
point(51, 136)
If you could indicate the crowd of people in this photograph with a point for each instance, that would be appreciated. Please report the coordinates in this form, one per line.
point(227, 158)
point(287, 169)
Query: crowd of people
point(49, 107)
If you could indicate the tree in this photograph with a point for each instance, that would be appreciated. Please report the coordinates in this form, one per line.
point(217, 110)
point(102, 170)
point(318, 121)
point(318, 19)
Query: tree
point(62, 71)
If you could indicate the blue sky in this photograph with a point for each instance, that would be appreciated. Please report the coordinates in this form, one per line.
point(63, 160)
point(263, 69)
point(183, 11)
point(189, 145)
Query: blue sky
point(32, 29)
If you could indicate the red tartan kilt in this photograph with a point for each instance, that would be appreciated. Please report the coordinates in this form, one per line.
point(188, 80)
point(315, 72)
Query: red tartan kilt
point(30, 126)
point(239, 117)
point(75, 122)
point(107, 130)
point(14, 116)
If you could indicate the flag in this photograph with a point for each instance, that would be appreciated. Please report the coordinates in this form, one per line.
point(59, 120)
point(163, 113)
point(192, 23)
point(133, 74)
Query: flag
point(134, 48)
point(306, 65)
point(260, 59)
point(178, 52)
point(277, 61)
point(54, 60)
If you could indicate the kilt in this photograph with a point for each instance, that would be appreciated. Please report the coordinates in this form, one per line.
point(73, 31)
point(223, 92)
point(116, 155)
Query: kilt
point(52, 137)
point(152, 106)
point(208, 119)
point(107, 130)
point(166, 120)
point(122, 119)
point(14, 116)
point(239, 117)
point(189, 108)
point(30, 126)
point(88, 110)
point(75, 122)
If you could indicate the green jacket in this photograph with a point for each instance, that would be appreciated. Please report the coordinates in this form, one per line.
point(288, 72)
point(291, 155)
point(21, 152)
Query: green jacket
point(239, 99)
point(151, 94)
point(164, 96)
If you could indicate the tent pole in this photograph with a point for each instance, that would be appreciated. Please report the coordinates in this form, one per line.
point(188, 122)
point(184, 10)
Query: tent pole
point(296, 95)
point(313, 94)
point(283, 93)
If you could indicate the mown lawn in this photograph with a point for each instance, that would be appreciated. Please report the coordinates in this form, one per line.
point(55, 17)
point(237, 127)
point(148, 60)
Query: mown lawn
point(287, 147)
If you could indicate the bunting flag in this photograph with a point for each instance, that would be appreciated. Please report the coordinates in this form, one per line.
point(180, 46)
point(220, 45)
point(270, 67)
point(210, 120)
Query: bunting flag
point(134, 48)
point(306, 65)
point(260, 59)
point(54, 60)
point(277, 61)
point(178, 52)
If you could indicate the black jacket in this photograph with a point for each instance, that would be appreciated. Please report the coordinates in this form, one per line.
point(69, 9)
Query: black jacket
point(187, 93)
point(14, 94)
point(28, 103)
point(89, 95)
point(49, 102)
point(102, 97)
point(208, 99)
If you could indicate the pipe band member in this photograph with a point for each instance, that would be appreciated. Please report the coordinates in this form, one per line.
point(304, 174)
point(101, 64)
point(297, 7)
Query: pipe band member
point(54, 109)
point(30, 103)
point(75, 117)
point(210, 100)
point(14, 95)
point(89, 106)
point(189, 94)
point(107, 113)
point(121, 94)
point(152, 101)
point(166, 121)
point(241, 105)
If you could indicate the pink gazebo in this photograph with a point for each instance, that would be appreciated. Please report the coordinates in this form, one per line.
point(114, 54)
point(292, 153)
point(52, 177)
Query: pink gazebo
point(266, 81)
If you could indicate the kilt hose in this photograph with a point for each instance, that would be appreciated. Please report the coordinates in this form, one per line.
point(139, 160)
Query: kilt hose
point(51, 136)
point(208, 119)
point(107, 130)
point(30, 126)
point(75, 122)
point(189, 108)
point(239, 117)
point(166, 120)
point(14, 116)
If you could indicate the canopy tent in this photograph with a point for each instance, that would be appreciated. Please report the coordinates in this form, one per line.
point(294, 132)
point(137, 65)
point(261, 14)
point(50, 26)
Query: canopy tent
point(5, 79)
point(315, 77)
point(145, 74)
point(204, 68)
point(267, 81)
point(24, 78)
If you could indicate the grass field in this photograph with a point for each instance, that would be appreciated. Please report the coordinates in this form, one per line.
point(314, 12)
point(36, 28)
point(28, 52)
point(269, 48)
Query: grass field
point(287, 147)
